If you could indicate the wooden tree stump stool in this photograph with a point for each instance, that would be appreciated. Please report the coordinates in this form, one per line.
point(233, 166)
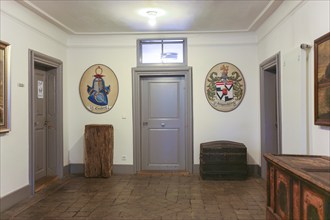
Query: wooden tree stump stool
point(98, 150)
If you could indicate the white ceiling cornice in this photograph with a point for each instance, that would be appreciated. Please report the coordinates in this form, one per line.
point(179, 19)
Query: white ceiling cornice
point(114, 17)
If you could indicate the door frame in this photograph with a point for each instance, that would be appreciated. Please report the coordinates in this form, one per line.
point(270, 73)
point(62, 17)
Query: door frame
point(137, 74)
point(35, 59)
point(271, 62)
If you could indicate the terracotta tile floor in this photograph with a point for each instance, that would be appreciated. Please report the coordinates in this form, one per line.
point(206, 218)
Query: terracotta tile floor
point(145, 197)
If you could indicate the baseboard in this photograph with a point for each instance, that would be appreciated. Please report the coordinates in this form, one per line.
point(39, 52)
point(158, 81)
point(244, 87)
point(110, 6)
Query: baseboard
point(254, 170)
point(79, 169)
point(14, 198)
point(123, 169)
point(66, 170)
point(196, 169)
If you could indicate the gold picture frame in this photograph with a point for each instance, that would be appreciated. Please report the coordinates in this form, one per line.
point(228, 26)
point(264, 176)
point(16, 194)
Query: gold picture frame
point(322, 80)
point(4, 87)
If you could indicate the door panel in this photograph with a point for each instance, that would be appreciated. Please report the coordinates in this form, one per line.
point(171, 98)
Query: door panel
point(40, 152)
point(39, 124)
point(163, 100)
point(51, 123)
point(163, 130)
point(164, 142)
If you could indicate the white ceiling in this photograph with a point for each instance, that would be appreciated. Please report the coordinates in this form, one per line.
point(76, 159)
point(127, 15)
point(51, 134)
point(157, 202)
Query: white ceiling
point(182, 16)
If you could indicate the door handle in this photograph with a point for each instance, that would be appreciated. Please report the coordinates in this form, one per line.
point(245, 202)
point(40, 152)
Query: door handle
point(162, 124)
point(145, 123)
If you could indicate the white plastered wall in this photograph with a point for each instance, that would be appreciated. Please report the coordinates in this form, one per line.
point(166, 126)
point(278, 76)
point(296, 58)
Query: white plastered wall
point(294, 23)
point(118, 54)
point(204, 51)
point(23, 30)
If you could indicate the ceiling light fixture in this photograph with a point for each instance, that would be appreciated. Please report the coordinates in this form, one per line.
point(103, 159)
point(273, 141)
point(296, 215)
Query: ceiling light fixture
point(151, 14)
point(152, 17)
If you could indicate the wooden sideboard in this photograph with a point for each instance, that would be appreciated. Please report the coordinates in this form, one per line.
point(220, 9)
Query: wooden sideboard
point(298, 187)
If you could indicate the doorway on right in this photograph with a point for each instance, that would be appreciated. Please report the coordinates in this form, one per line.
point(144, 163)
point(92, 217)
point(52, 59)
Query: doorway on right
point(270, 104)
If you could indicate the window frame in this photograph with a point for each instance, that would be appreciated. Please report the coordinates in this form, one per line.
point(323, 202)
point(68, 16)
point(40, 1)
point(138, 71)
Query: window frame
point(162, 41)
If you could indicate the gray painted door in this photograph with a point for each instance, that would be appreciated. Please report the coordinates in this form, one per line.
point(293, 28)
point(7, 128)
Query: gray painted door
point(44, 123)
point(40, 129)
point(163, 123)
point(271, 121)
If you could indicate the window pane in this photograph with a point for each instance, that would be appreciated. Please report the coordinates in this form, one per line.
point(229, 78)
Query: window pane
point(173, 41)
point(151, 53)
point(173, 53)
point(161, 52)
point(151, 41)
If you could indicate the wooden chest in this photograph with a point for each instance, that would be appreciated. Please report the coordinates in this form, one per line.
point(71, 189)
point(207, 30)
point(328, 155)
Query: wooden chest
point(298, 187)
point(223, 160)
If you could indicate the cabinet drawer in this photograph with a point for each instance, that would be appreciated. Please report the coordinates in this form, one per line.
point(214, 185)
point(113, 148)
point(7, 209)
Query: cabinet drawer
point(282, 207)
point(314, 205)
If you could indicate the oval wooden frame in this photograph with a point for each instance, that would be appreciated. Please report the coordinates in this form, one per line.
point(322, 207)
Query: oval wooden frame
point(235, 75)
point(86, 80)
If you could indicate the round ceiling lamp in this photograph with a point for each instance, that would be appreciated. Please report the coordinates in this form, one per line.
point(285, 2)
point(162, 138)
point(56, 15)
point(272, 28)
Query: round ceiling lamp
point(152, 17)
point(151, 14)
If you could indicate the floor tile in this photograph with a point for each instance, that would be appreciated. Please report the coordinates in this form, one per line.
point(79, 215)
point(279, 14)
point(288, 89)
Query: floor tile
point(163, 197)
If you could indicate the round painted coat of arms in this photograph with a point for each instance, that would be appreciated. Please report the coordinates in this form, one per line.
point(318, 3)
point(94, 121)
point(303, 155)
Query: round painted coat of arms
point(98, 88)
point(224, 87)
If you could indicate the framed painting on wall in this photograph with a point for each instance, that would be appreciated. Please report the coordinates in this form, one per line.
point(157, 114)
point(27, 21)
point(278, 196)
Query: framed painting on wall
point(322, 80)
point(4, 87)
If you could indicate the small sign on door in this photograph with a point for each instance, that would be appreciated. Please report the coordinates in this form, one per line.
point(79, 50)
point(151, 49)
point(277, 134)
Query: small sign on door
point(40, 89)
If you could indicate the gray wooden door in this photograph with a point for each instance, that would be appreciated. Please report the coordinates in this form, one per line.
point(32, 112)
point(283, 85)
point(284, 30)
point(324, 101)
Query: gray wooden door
point(270, 109)
point(163, 123)
point(44, 123)
point(270, 93)
point(271, 144)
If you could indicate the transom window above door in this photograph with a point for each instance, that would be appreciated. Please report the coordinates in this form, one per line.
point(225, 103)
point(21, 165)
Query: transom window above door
point(162, 52)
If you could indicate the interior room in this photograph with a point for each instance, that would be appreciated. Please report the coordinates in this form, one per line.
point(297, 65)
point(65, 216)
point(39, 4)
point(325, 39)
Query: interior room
point(50, 47)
